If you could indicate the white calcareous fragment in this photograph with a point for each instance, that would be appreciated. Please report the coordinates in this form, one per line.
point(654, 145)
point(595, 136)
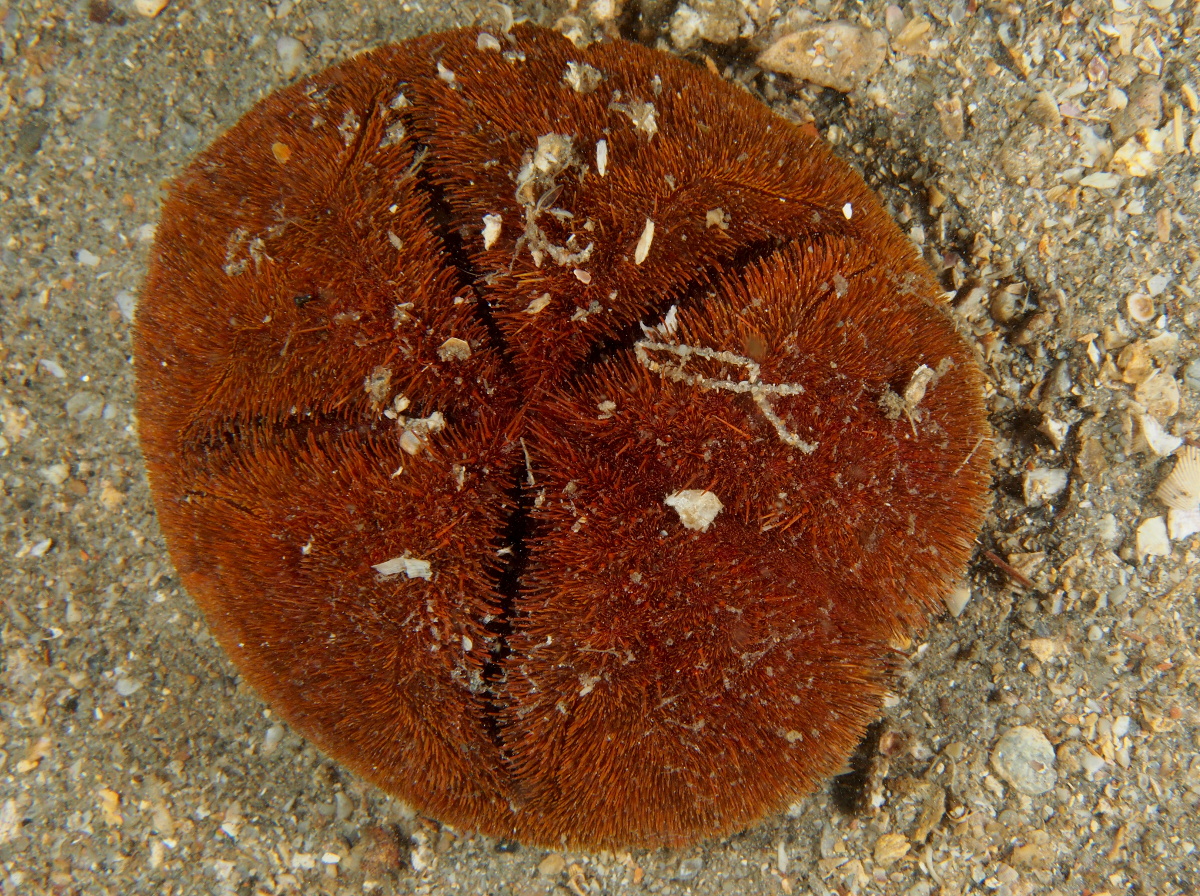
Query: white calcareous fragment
point(602, 156)
point(643, 117)
point(1181, 489)
point(581, 77)
point(412, 567)
point(1042, 484)
point(696, 508)
point(487, 41)
point(539, 304)
point(416, 431)
point(848, 210)
point(454, 349)
point(446, 75)
point(491, 230)
point(643, 244)
point(1152, 538)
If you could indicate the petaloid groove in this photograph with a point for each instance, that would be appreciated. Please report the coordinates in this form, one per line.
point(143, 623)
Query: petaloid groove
point(554, 436)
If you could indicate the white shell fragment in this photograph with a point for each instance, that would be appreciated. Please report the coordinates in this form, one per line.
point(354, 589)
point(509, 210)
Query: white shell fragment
point(539, 304)
point(1183, 523)
point(416, 431)
point(848, 210)
point(491, 230)
point(581, 77)
point(454, 349)
point(643, 244)
point(957, 600)
point(1181, 489)
point(602, 157)
point(696, 508)
point(1153, 438)
point(410, 566)
point(1152, 540)
point(1043, 484)
point(1140, 307)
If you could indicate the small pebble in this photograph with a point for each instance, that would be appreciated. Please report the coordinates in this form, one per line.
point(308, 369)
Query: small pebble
point(272, 738)
point(291, 55)
point(126, 304)
point(689, 868)
point(84, 257)
point(127, 686)
point(552, 865)
point(52, 367)
point(35, 98)
point(1025, 759)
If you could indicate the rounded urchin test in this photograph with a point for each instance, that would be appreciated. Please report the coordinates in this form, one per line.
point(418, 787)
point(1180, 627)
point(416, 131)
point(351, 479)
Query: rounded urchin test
point(544, 439)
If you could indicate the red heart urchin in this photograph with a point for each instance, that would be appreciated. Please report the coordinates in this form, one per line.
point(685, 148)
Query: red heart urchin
point(555, 436)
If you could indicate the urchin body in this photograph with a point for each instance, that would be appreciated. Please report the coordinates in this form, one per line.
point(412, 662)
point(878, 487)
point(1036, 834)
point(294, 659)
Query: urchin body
point(554, 435)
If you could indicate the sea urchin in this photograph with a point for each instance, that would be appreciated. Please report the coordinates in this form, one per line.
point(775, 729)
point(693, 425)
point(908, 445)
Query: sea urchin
point(554, 436)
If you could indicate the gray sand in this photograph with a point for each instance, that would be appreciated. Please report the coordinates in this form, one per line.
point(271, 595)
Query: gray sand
point(133, 759)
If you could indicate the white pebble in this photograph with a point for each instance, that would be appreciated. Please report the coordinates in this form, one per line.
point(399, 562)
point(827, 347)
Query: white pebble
point(126, 304)
point(272, 738)
point(491, 230)
point(84, 257)
point(56, 474)
point(52, 367)
point(291, 55)
point(1024, 757)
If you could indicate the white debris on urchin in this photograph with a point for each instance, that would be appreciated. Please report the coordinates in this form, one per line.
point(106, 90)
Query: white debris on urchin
point(491, 230)
point(1181, 489)
point(602, 157)
point(643, 244)
point(696, 508)
point(410, 566)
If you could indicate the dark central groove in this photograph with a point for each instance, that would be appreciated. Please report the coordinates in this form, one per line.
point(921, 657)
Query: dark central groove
point(515, 540)
point(518, 528)
point(442, 221)
point(695, 291)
